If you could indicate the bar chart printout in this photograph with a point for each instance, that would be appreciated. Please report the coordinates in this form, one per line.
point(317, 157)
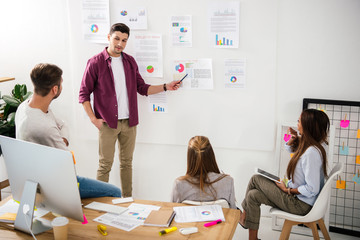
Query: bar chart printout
point(157, 108)
point(157, 103)
point(223, 22)
point(223, 41)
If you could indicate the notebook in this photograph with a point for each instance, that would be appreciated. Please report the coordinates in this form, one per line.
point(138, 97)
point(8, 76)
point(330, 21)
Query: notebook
point(267, 175)
point(160, 218)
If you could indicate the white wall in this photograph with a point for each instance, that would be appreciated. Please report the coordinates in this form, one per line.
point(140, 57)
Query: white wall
point(316, 55)
point(34, 32)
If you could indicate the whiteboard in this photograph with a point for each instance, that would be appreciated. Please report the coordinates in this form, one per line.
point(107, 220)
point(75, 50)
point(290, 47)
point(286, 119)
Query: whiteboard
point(242, 118)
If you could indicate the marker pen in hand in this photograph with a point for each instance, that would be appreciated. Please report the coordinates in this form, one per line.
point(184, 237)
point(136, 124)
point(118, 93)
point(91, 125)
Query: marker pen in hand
point(212, 223)
point(162, 232)
point(182, 79)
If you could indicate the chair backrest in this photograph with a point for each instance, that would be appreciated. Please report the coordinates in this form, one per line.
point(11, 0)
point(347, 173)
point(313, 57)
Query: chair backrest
point(222, 202)
point(321, 203)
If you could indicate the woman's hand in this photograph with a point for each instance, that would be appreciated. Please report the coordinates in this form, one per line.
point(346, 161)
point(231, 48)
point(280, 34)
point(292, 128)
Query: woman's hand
point(282, 186)
point(294, 140)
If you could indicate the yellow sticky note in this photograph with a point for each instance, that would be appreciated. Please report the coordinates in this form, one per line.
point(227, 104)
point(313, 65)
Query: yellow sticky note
point(340, 184)
point(358, 134)
point(358, 159)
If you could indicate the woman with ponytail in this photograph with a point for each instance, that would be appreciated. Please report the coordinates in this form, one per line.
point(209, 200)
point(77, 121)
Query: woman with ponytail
point(306, 172)
point(203, 180)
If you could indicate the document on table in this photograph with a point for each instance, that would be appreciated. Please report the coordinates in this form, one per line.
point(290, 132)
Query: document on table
point(11, 207)
point(199, 213)
point(118, 221)
point(130, 219)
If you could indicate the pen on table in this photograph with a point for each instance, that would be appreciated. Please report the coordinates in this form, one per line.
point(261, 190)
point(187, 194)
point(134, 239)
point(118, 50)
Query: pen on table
point(167, 230)
point(212, 223)
point(182, 78)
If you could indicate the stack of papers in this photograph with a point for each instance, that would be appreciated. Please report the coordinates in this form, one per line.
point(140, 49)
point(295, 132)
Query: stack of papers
point(8, 211)
point(198, 213)
point(8, 217)
point(130, 219)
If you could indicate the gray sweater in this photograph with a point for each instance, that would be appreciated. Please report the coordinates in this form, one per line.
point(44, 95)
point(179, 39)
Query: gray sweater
point(183, 190)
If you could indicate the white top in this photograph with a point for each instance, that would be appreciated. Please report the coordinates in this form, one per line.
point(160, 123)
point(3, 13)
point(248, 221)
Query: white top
point(33, 125)
point(117, 67)
point(308, 175)
point(183, 190)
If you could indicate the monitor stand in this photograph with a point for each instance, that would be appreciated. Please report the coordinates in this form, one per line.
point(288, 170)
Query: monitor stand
point(24, 218)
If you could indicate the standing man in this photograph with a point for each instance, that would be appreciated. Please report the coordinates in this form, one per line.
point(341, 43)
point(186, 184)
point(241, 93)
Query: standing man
point(35, 122)
point(114, 79)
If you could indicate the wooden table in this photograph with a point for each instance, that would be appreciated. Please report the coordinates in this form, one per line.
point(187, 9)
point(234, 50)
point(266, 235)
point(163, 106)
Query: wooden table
point(77, 230)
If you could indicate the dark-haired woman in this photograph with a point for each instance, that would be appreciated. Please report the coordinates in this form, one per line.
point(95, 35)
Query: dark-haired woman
point(306, 171)
point(203, 180)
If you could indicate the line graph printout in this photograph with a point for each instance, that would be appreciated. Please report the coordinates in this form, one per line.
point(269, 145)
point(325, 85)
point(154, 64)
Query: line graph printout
point(223, 21)
point(135, 17)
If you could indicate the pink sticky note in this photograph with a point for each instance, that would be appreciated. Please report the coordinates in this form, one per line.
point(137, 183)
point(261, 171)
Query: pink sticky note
point(85, 220)
point(344, 123)
point(287, 137)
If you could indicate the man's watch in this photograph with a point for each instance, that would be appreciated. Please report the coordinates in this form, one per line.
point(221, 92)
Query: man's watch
point(164, 86)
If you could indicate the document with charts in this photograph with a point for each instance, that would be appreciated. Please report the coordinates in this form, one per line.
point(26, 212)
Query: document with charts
point(199, 73)
point(199, 213)
point(130, 219)
point(95, 20)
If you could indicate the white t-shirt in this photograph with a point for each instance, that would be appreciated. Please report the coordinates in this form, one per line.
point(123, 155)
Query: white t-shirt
point(120, 87)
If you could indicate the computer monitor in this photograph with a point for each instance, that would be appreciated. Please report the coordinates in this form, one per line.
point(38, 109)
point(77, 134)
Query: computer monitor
point(42, 176)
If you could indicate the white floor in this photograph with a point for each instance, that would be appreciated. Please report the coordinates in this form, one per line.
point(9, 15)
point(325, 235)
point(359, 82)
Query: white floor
point(266, 233)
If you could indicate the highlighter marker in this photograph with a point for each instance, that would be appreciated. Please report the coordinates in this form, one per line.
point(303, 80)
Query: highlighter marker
point(162, 232)
point(212, 223)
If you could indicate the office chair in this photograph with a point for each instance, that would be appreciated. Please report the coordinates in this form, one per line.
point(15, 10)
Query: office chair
point(316, 214)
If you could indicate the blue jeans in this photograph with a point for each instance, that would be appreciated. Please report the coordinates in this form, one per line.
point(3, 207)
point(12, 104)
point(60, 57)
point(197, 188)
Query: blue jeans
point(91, 188)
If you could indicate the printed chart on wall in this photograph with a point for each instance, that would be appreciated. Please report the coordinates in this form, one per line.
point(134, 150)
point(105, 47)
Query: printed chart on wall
point(148, 54)
point(134, 17)
point(223, 18)
point(234, 73)
point(345, 194)
point(96, 20)
point(181, 31)
point(199, 73)
point(158, 103)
